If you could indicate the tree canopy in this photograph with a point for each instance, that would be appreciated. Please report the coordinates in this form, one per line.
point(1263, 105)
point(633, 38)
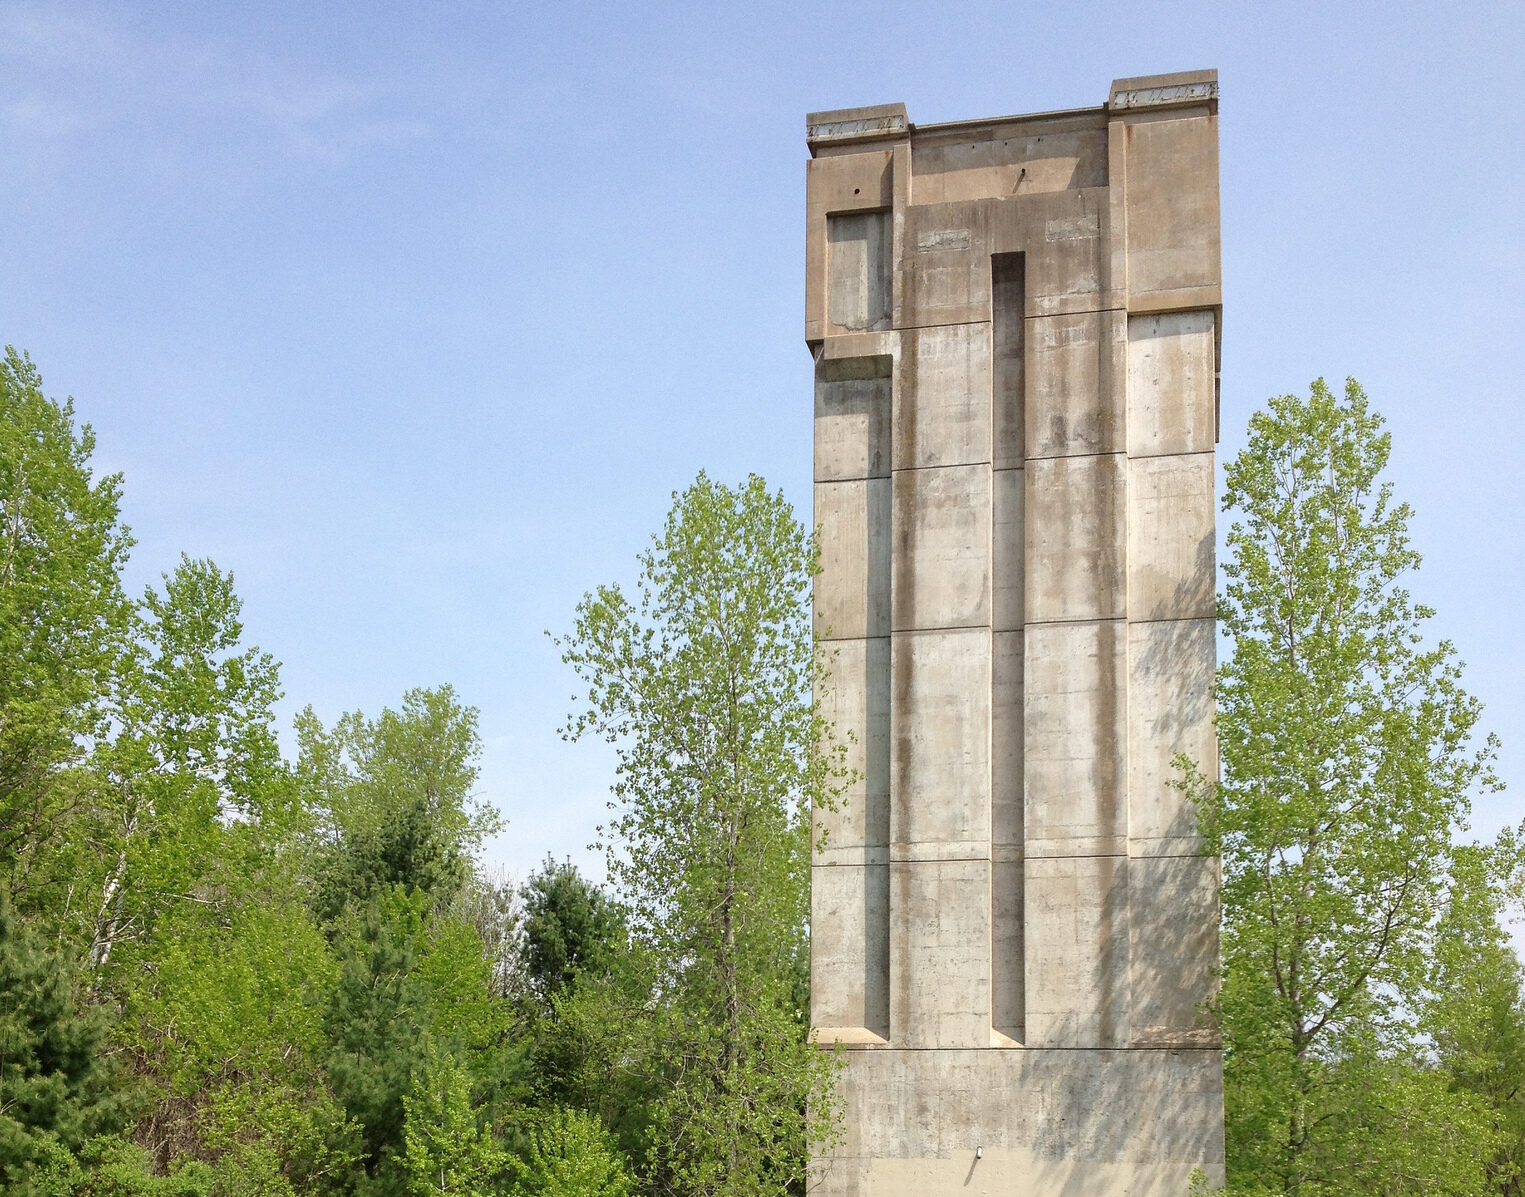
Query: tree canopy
point(1348, 766)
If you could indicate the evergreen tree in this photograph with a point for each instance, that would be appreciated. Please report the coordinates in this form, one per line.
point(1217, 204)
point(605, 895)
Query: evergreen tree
point(571, 929)
point(55, 1084)
point(376, 1036)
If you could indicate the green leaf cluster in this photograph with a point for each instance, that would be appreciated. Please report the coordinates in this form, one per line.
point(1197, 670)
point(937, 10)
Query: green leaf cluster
point(1368, 997)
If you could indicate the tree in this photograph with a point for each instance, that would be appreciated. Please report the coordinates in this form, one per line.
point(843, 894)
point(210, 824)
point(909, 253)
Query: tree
point(376, 1034)
point(194, 749)
point(55, 1085)
point(414, 987)
point(704, 684)
point(571, 928)
point(446, 1152)
point(393, 800)
point(1348, 768)
point(570, 1155)
point(65, 624)
point(1474, 1011)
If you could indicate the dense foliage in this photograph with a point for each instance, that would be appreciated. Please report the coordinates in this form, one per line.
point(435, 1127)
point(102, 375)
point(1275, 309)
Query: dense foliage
point(227, 974)
point(1371, 1006)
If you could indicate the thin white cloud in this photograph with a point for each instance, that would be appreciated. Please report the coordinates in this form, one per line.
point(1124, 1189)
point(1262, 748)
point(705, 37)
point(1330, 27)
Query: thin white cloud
point(70, 73)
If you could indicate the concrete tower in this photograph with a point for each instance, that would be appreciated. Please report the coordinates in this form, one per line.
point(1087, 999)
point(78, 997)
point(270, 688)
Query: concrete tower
point(1015, 325)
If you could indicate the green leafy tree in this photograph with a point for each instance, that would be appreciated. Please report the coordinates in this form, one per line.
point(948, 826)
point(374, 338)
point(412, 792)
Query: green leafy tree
point(1475, 1009)
point(226, 1030)
point(393, 799)
point(446, 1151)
point(195, 748)
point(1347, 773)
point(570, 1155)
point(66, 627)
point(704, 684)
point(55, 1083)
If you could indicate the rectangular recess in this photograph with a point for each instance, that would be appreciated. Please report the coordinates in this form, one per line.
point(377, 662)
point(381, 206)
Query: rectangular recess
point(852, 418)
point(1008, 349)
point(1008, 297)
point(857, 272)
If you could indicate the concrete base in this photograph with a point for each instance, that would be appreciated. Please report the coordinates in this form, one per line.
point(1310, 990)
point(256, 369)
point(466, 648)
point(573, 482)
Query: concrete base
point(1046, 1123)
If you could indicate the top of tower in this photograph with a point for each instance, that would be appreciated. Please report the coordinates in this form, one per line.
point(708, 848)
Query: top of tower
point(889, 122)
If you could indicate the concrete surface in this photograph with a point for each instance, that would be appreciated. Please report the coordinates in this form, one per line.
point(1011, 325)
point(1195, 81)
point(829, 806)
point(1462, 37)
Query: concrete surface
point(1015, 324)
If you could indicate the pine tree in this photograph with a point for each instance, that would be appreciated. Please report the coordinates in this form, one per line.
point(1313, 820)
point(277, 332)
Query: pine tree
point(55, 1085)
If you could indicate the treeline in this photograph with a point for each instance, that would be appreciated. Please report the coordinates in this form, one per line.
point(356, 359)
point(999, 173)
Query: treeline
point(226, 973)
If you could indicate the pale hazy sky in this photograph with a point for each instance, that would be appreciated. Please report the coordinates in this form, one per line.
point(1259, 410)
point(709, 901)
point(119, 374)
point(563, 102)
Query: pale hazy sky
point(414, 315)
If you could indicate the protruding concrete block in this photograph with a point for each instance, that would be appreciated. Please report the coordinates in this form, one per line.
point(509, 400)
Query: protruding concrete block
point(1074, 743)
point(1171, 508)
point(852, 419)
point(1075, 384)
point(942, 276)
point(1174, 253)
point(1075, 512)
point(852, 591)
point(940, 750)
point(1172, 386)
point(1077, 951)
point(840, 182)
point(942, 397)
point(942, 537)
point(1173, 920)
point(1170, 711)
point(940, 958)
point(855, 702)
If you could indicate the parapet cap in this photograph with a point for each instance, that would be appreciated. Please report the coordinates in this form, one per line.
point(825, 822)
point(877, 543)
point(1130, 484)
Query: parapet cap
point(1165, 91)
point(856, 124)
point(889, 122)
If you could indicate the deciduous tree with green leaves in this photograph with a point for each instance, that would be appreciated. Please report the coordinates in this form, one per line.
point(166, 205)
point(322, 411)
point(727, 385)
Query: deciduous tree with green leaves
point(66, 628)
point(1348, 766)
point(446, 1152)
point(392, 799)
point(569, 1154)
point(704, 684)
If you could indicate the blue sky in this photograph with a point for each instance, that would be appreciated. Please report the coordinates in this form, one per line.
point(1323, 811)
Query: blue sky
point(415, 315)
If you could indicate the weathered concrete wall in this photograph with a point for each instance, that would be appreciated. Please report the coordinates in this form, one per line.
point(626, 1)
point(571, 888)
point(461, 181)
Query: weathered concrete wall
point(1015, 326)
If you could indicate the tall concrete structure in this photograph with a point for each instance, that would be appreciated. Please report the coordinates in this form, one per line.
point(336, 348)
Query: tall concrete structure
point(1015, 330)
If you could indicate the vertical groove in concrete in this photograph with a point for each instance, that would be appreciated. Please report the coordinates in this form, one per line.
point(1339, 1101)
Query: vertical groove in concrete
point(1008, 552)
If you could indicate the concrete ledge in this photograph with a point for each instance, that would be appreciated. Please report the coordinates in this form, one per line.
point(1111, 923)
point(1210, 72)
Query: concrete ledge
point(840, 125)
point(1161, 91)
